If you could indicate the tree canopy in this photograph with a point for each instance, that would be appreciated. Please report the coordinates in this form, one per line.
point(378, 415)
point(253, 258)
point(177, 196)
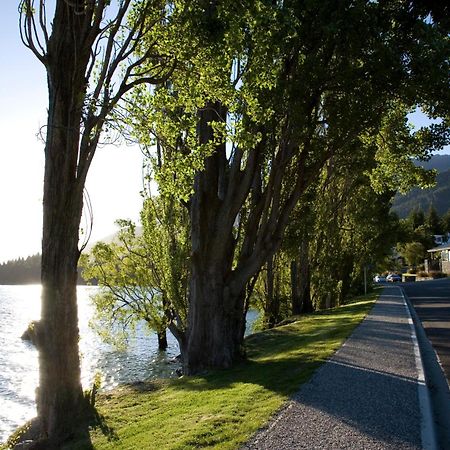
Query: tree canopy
point(263, 98)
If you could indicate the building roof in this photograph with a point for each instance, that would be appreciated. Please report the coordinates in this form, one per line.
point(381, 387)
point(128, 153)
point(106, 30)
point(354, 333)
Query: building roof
point(445, 246)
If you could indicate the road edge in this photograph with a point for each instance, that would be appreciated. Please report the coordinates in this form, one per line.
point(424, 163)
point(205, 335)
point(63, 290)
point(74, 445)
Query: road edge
point(434, 392)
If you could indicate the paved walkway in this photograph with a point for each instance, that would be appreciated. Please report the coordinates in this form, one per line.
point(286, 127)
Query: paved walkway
point(365, 397)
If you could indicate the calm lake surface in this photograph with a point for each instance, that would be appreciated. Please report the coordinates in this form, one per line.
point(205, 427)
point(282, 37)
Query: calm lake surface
point(19, 305)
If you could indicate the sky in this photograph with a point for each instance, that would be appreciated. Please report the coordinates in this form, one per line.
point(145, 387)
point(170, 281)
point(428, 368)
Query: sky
point(114, 180)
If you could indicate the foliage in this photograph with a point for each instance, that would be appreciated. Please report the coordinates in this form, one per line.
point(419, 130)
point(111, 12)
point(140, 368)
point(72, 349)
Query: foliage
point(166, 236)
point(414, 253)
point(235, 40)
point(306, 93)
point(416, 219)
point(347, 226)
point(433, 221)
point(271, 294)
point(446, 221)
point(217, 410)
point(263, 97)
point(417, 236)
point(143, 275)
point(360, 235)
point(420, 228)
point(395, 144)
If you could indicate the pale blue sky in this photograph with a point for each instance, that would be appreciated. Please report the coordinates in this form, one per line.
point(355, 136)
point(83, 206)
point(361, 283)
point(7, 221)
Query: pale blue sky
point(114, 181)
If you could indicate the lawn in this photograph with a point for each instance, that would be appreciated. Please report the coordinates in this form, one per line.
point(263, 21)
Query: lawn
point(222, 409)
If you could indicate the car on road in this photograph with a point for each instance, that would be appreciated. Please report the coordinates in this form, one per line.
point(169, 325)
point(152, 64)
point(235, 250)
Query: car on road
point(379, 279)
point(393, 278)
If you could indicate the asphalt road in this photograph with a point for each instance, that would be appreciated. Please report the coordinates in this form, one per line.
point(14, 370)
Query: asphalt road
point(431, 300)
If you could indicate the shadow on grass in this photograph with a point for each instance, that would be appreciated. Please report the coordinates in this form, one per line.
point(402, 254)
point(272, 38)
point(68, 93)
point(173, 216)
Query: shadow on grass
point(99, 422)
point(82, 440)
point(283, 358)
point(278, 361)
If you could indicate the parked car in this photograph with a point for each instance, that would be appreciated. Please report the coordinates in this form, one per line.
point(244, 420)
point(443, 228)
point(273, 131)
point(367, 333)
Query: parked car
point(393, 278)
point(379, 279)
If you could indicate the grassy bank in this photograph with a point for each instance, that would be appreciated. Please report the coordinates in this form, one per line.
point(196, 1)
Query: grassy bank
point(223, 409)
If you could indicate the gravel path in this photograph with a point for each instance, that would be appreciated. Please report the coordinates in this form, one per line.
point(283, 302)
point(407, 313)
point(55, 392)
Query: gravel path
point(364, 397)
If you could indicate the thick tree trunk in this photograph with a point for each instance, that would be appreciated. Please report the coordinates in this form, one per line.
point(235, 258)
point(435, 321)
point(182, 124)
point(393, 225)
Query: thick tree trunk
point(60, 397)
point(214, 338)
point(216, 311)
point(59, 382)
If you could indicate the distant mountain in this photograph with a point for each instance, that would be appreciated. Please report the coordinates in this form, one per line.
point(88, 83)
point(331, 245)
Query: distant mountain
point(110, 238)
point(438, 196)
point(439, 162)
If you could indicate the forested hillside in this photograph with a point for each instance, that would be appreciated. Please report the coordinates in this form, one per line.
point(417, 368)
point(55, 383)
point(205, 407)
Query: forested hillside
point(438, 196)
point(21, 270)
point(24, 271)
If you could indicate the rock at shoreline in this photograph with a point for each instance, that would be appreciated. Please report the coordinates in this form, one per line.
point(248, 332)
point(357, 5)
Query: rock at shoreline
point(30, 334)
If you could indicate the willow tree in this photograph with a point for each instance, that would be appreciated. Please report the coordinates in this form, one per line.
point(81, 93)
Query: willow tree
point(143, 275)
point(91, 53)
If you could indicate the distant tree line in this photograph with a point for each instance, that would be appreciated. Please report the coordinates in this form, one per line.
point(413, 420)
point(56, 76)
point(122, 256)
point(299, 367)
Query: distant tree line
point(24, 271)
point(416, 234)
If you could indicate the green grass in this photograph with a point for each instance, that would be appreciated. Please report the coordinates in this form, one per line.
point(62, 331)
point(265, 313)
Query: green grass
point(222, 409)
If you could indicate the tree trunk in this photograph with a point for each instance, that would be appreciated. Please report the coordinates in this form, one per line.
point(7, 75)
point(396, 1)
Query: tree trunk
point(304, 279)
point(214, 338)
point(60, 388)
point(59, 382)
point(216, 311)
point(272, 308)
point(162, 340)
point(295, 294)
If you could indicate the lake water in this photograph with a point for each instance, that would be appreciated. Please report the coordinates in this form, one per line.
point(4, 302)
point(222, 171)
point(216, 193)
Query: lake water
point(19, 305)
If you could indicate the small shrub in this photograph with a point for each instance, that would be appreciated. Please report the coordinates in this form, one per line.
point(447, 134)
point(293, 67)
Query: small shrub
point(436, 274)
point(423, 274)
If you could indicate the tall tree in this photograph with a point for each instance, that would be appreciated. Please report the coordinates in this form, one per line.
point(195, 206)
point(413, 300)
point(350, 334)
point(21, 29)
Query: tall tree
point(416, 218)
point(433, 221)
point(318, 91)
point(267, 94)
point(92, 56)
